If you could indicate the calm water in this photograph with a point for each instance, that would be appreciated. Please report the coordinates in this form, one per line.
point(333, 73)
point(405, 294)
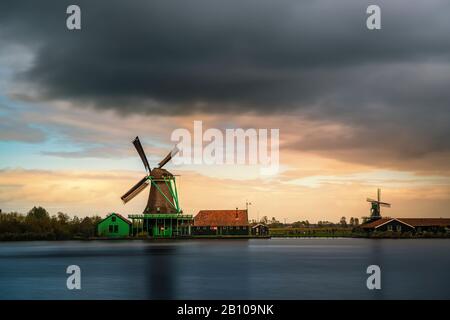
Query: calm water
point(227, 269)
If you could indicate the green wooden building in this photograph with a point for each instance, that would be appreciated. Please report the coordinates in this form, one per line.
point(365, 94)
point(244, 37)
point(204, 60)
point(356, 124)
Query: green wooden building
point(173, 225)
point(114, 226)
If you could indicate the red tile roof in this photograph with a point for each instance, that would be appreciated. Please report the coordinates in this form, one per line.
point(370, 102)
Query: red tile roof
point(376, 223)
point(426, 222)
point(415, 222)
point(217, 218)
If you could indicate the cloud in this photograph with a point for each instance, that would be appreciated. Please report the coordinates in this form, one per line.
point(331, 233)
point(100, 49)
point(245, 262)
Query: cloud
point(14, 127)
point(94, 192)
point(386, 90)
point(177, 57)
point(9, 132)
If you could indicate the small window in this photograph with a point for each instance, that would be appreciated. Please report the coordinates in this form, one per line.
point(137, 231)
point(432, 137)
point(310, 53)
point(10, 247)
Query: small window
point(110, 228)
point(399, 228)
point(116, 228)
point(389, 227)
point(113, 218)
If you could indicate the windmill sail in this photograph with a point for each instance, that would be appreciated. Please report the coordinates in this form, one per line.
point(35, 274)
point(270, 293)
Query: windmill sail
point(168, 157)
point(140, 150)
point(135, 190)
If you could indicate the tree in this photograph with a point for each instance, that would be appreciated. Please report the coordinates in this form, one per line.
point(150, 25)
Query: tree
point(356, 222)
point(38, 220)
point(352, 221)
point(63, 218)
point(274, 223)
point(343, 222)
point(299, 224)
point(264, 220)
point(38, 213)
point(37, 225)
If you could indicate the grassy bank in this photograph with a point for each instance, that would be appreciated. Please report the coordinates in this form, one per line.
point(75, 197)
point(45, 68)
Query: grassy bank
point(311, 232)
point(348, 233)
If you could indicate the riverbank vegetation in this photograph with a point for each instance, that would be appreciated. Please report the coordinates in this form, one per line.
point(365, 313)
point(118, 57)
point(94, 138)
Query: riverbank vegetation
point(341, 232)
point(37, 224)
point(343, 229)
point(312, 230)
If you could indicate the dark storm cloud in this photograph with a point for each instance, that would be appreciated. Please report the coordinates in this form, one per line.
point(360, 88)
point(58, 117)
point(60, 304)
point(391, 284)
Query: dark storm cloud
point(311, 57)
point(257, 54)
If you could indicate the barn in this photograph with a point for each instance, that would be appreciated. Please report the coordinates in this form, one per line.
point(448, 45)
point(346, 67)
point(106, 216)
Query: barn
point(408, 225)
point(260, 230)
point(114, 226)
point(221, 222)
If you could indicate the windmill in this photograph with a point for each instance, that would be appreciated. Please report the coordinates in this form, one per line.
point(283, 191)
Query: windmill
point(163, 197)
point(375, 209)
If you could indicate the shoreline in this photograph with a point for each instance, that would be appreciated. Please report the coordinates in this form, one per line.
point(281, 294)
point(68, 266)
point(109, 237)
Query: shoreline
point(374, 237)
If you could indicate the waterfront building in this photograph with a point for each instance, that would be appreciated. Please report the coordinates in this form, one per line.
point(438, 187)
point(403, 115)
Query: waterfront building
point(260, 229)
point(221, 222)
point(408, 225)
point(114, 225)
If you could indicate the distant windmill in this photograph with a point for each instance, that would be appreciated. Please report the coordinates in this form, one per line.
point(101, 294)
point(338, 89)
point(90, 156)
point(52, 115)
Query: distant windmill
point(375, 209)
point(163, 197)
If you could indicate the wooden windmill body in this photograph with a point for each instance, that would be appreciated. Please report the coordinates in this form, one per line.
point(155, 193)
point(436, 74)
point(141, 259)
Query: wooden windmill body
point(375, 208)
point(163, 196)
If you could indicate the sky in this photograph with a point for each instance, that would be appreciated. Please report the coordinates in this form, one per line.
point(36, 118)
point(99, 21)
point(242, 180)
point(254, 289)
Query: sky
point(357, 109)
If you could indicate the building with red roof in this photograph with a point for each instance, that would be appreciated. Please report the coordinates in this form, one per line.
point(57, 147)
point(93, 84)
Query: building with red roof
point(221, 222)
point(408, 225)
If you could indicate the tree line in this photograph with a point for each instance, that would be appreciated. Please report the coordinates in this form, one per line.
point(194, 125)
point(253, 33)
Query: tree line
point(274, 223)
point(37, 224)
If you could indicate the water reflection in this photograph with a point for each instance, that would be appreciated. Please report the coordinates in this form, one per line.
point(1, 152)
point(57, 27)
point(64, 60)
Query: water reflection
point(375, 257)
point(160, 272)
point(227, 269)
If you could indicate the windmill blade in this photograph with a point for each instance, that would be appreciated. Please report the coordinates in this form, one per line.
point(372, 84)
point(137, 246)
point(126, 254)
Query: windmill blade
point(371, 200)
point(385, 204)
point(135, 190)
point(172, 153)
point(140, 150)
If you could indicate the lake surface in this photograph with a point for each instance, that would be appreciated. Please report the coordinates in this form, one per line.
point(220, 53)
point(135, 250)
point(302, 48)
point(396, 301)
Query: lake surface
point(227, 269)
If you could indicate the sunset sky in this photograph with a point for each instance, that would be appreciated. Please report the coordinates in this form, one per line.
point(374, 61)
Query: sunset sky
point(356, 109)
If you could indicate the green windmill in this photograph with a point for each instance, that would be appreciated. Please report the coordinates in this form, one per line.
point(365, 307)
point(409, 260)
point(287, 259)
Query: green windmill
point(375, 206)
point(163, 196)
point(162, 216)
